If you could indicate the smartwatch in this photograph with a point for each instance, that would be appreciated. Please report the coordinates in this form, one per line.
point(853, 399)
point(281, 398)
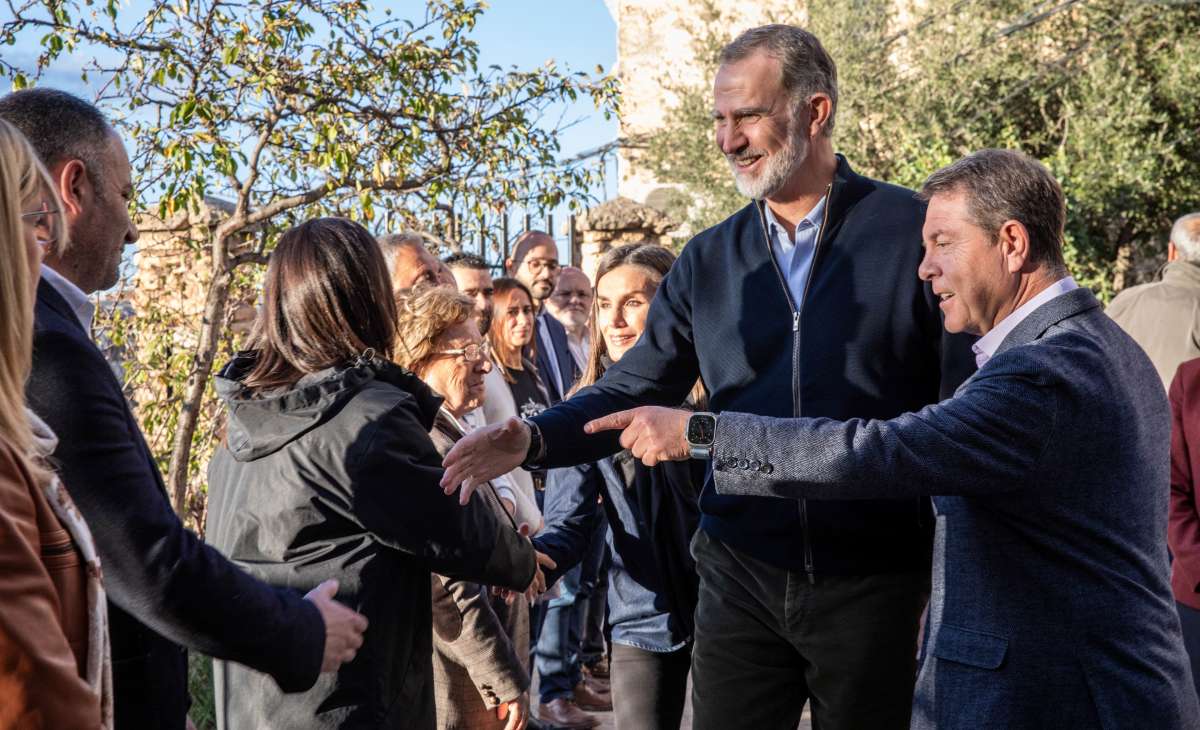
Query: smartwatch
point(701, 431)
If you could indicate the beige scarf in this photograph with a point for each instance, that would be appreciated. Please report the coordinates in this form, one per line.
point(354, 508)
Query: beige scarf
point(99, 660)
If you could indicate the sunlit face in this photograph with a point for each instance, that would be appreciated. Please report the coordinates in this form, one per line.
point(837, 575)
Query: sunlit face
point(755, 129)
point(476, 284)
point(414, 266)
point(102, 228)
point(571, 302)
point(966, 267)
point(539, 269)
point(458, 376)
point(622, 302)
point(516, 320)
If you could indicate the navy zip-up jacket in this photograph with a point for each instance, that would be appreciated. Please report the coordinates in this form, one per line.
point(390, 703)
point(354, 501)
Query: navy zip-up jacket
point(867, 342)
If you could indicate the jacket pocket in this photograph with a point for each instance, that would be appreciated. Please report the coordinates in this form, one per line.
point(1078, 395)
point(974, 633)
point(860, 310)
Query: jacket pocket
point(971, 687)
point(973, 648)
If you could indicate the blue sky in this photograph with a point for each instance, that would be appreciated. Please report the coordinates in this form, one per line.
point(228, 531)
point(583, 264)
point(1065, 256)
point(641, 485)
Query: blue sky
point(578, 34)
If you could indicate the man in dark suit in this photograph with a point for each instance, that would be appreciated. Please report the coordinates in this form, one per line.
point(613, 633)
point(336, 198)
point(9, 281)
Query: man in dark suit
point(534, 262)
point(166, 588)
point(1049, 467)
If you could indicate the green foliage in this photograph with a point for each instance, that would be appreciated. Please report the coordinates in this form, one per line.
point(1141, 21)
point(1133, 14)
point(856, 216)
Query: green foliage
point(290, 109)
point(1103, 92)
point(200, 686)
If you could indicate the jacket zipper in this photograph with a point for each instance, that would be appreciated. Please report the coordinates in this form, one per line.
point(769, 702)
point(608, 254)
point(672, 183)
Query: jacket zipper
point(809, 567)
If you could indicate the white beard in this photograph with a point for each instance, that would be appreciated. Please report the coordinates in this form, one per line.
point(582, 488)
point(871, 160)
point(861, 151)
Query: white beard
point(777, 170)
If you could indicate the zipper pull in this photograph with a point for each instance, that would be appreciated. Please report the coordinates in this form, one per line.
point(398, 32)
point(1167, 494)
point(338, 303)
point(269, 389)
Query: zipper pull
point(795, 321)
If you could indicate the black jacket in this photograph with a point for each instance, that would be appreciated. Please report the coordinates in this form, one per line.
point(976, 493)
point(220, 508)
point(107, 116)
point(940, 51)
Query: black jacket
point(336, 477)
point(868, 342)
point(165, 587)
point(652, 516)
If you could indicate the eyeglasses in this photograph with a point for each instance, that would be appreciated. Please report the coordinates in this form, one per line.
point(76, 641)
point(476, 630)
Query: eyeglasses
point(42, 220)
point(470, 353)
point(536, 265)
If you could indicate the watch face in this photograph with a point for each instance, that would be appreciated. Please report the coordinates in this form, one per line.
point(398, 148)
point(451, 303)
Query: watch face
point(701, 429)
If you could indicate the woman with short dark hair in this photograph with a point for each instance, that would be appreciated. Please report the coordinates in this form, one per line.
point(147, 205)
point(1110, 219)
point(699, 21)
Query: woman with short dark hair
point(328, 471)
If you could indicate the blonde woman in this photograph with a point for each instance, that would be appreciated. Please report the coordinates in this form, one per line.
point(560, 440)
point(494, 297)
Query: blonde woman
point(54, 659)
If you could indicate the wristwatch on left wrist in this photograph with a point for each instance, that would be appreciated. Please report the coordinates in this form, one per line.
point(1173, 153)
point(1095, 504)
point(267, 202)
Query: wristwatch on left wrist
point(701, 432)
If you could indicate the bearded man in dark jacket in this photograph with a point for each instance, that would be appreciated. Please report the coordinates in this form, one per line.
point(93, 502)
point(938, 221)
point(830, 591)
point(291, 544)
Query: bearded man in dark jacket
point(804, 303)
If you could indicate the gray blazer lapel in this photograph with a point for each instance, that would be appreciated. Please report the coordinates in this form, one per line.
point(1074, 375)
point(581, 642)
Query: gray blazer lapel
point(1049, 314)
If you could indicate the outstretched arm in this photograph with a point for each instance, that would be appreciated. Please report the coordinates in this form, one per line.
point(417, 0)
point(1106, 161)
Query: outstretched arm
point(155, 568)
point(986, 440)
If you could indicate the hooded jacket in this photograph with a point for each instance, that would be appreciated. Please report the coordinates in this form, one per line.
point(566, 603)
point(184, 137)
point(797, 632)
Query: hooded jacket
point(336, 477)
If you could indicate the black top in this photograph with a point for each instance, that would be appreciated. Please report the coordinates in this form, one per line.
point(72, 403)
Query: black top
point(165, 587)
point(337, 477)
point(528, 391)
point(868, 343)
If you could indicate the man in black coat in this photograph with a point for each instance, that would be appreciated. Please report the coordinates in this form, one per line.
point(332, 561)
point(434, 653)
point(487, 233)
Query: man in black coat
point(167, 590)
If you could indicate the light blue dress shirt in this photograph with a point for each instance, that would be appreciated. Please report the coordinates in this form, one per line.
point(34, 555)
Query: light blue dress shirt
point(795, 255)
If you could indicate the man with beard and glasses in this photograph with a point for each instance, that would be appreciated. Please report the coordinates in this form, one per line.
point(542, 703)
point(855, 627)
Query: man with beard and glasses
point(804, 303)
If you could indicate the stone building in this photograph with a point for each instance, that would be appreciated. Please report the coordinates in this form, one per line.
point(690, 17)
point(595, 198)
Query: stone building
point(656, 47)
point(616, 223)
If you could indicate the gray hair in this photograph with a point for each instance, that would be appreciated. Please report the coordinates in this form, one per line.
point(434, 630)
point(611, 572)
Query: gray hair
point(807, 68)
point(60, 126)
point(1003, 185)
point(1185, 234)
point(391, 244)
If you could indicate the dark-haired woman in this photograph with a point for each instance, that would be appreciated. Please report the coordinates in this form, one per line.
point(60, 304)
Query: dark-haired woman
point(328, 471)
point(652, 513)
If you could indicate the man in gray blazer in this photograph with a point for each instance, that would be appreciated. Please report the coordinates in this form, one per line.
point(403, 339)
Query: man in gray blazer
point(1049, 468)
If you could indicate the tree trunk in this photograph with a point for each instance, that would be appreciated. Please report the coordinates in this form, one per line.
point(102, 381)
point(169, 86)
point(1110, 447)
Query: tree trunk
point(215, 304)
point(1124, 258)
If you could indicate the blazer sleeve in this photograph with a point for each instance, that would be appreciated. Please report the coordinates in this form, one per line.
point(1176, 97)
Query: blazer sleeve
point(659, 370)
point(481, 643)
point(1183, 533)
point(40, 684)
point(986, 440)
point(156, 569)
point(395, 472)
point(572, 510)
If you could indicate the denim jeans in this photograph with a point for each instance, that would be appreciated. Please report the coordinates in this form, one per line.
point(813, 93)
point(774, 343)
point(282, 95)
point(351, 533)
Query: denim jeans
point(558, 656)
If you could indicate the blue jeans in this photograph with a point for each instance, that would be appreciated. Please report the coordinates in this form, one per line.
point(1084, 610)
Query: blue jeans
point(558, 656)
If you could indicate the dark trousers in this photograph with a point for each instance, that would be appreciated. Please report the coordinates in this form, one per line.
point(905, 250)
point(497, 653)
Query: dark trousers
point(594, 645)
point(1189, 619)
point(649, 688)
point(559, 647)
point(767, 640)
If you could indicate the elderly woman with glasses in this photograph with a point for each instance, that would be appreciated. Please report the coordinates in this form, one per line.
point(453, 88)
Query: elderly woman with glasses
point(481, 640)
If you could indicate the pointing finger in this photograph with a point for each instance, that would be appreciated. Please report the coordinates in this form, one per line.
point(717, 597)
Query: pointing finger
point(611, 422)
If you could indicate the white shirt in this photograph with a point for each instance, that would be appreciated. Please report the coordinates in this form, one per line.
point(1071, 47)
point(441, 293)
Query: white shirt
point(985, 347)
point(79, 302)
point(795, 256)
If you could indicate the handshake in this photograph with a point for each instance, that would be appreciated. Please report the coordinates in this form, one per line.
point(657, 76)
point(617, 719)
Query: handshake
point(651, 433)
